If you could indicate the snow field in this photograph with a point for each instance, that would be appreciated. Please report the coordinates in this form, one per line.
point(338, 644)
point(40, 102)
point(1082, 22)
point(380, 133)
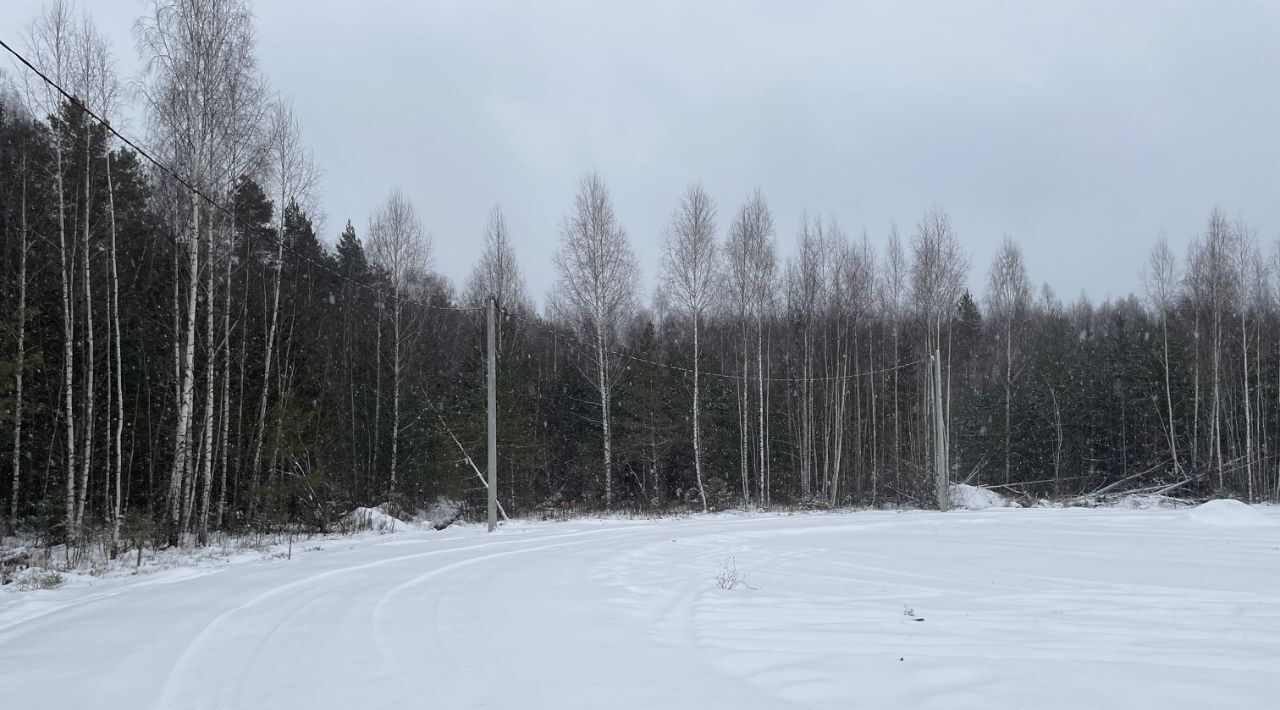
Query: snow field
point(999, 608)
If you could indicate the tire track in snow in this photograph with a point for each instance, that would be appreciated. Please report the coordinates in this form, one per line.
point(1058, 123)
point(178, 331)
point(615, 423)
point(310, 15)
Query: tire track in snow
point(184, 666)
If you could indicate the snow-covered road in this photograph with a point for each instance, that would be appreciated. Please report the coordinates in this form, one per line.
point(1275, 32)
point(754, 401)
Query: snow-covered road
point(1040, 608)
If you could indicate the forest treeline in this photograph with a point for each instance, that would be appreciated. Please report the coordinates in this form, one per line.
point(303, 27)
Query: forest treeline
point(183, 348)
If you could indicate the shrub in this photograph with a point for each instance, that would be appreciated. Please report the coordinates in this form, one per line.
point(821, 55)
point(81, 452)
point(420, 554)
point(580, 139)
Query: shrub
point(730, 578)
point(37, 578)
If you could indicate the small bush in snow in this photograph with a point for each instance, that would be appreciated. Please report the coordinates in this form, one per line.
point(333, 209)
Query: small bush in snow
point(730, 578)
point(37, 578)
point(443, 513)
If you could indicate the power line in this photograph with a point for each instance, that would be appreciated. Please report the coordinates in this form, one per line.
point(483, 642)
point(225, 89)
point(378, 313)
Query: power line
point(279, 238)
point(710, 373)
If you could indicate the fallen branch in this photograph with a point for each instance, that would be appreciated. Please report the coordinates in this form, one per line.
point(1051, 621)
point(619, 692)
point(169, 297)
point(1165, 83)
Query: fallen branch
point(1110, 486)
point(467, 456)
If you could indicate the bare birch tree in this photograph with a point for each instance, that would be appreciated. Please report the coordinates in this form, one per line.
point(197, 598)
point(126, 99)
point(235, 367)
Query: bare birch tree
point(1161, 281)
point(895, 293)
point(245, 144)
point(50, 44)
point(597, 293)
point(750, 271)
point(190, 50)
point(1245, 268)
point(295, 177)
point(690, 273)
point(498, 272)
point(398, 245)
point(937, 275)
point(102, 90)
point(1008, 300)
point(806, 299)
point(1210, 277)
point(498, 275)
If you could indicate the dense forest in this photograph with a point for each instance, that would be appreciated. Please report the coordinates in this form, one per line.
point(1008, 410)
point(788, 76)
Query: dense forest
point(180, 347)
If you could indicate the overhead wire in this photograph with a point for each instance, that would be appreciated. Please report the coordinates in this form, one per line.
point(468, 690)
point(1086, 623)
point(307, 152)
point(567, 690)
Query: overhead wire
point(177, 177)
point(708, 373)
point(283, 245)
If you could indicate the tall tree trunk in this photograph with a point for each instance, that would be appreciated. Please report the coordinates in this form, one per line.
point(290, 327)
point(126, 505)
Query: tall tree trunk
point(744, 413)
point(1057, 450)
point(1195, 404)
point(1168, 392)
point(375, 442)
point(349, 358)
point(767, 473)
point(241, 380)
point(21, 355)
point(760, 404)
point(1248, 415)
point(260, 425)
point(897, 428)
point(66, 274)
point(876, 448)
point(395, 389)
point(803, 414)
point(698, 431)
point(225, 440)
point(118, 434)
point(1008, 394)
point(90, 401)
point(179, 475)
point(603, 383)
point(1260, 420)
point(1216, 427)
point(210, 368)
point(946, 448)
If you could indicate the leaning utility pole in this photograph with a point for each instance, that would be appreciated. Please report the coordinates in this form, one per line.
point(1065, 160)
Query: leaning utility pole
point(493, 415)
point(940, 437)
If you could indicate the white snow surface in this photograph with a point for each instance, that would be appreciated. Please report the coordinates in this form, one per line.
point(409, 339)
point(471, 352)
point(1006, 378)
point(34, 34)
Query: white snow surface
point(1002, 608)
point(1230, 513)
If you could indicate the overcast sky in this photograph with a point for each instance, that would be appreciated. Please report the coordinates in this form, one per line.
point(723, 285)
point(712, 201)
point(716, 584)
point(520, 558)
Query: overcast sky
point(1083, 130)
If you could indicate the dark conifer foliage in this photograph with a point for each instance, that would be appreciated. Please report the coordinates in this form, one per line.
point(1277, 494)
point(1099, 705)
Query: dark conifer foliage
point(813, 376)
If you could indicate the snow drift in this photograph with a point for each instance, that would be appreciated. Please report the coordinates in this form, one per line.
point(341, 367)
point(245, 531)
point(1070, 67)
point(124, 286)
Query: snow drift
point(969, 497)
point(376, 519)
point(1228, 513)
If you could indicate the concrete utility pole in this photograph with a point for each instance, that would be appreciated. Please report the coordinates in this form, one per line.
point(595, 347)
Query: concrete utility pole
point(940, 437)
point(493, 415)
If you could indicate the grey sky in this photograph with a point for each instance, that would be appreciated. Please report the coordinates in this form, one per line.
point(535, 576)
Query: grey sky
point(1083, 130)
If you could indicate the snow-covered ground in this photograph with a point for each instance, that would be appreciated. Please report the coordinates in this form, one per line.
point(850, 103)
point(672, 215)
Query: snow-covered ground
point(998, 608)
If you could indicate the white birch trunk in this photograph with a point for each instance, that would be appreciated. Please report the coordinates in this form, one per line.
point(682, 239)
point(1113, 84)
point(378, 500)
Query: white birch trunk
point(186, 389)
point(603, 383)
point(698, 433)
point(761, 404)
point(1248, 416)
point(395, 388)
point(260, 426)
point(1168, 392)
point(90, 423)
point(68, 351)
point(21, 355)
point(210, 359)
point(376, 441)
point(225, 440)
point(117, 435)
